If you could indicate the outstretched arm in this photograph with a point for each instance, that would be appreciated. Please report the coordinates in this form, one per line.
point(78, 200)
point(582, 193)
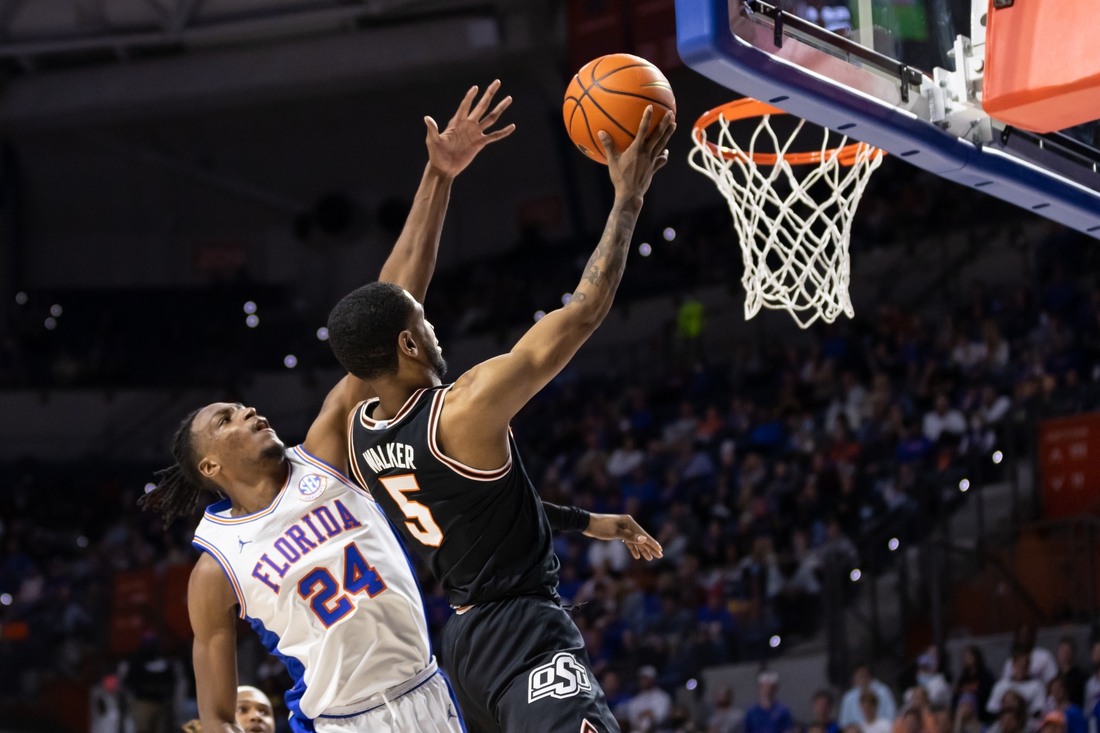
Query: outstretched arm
point(210, 604)
point(473, 427)
point(412, 261)
point(604, 527)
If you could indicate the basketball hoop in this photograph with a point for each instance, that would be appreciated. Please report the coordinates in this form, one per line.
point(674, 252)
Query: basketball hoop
point(794, 247)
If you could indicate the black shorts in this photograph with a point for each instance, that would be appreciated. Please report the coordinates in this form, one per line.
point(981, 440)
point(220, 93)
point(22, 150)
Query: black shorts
point(520, 665)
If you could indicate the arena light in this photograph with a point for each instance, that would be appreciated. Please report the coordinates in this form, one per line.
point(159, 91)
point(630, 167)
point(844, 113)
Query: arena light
point(692, 684)
point(565, 298)
point(998, 456)
point(5, 599)
point(322, 334)
point(51, 323)
point(250, 307)
point(644, 249)
point(21, 298)
point(964, 485)
point(669, 234)
point(893, 544)
point(55, 310)
point(252, 321)
point(774, 641)
point(81, 541)
point(290, 361)
point(855, 575)
point(539, 315)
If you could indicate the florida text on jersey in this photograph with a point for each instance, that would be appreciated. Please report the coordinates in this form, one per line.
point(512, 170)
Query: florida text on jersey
point(324, 580)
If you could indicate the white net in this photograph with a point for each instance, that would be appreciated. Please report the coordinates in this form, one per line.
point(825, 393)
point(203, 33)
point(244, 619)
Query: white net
point(794, 244)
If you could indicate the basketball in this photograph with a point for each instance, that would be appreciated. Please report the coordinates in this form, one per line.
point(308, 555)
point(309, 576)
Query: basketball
point(611, 94)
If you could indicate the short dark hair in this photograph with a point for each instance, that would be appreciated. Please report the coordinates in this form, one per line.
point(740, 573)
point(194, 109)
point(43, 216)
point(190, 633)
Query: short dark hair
point(825, 693)
point(364, 326)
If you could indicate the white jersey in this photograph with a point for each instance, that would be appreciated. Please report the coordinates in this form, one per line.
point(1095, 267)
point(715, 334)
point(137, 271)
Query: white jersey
point(323, 579)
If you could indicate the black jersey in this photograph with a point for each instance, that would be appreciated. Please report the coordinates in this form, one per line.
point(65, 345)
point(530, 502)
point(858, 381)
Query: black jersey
point(484, 534)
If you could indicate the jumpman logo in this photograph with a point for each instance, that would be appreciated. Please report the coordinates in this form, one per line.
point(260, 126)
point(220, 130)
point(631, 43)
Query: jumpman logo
point(242, 543)
point(451, 712)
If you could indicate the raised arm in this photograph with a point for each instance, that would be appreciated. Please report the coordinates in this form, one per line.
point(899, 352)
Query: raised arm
point(473, 427)
point(412, 261)
point(210, 604)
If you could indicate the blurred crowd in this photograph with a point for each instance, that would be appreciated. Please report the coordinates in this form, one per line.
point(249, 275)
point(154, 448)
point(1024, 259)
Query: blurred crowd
point(1036, 691)
point(762, 478)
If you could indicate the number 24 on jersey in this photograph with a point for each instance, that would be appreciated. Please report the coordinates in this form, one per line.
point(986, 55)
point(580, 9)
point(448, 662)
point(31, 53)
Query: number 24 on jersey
point(330, 600)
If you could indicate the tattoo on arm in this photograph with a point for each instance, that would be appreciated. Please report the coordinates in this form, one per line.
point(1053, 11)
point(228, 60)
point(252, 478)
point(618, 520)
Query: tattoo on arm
point(594, 275)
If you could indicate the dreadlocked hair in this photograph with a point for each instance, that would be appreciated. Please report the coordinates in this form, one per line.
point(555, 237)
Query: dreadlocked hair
point(180, 485)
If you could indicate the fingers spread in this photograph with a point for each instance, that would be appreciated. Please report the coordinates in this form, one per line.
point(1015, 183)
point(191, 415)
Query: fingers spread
point(493, 116)
point(464, 108)
point(486, 100)
point(500, 134)
point(662, 142)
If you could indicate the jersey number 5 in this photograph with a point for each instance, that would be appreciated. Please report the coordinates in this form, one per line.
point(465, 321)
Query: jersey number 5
point(420, 521)
point(325, 596)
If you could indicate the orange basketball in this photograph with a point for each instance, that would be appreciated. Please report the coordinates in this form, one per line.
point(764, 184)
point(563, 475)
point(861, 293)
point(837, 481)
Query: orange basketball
point(611, 94)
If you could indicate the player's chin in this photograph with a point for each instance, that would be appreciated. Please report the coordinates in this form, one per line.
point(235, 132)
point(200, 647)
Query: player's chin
point(272, 447)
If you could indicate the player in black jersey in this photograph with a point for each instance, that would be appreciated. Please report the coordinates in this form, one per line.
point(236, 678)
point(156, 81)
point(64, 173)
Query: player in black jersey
point(441, 462)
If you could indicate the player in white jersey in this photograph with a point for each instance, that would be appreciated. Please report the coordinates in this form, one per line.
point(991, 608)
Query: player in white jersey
point(304, 555)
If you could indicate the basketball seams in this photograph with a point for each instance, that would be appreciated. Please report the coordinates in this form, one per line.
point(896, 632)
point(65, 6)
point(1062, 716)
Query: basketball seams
point(648, 73)
point(633, 94)
point(597, 104)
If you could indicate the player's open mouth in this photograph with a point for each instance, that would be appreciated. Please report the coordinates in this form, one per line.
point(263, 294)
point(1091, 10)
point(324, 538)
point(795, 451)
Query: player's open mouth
point(262, 424)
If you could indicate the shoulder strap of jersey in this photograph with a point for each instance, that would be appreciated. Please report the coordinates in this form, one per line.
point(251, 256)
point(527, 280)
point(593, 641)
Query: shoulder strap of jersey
point(461, 469)
point(353, 463)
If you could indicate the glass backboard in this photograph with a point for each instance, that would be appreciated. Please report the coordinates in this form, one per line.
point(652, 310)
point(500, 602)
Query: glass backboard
point(903, 75)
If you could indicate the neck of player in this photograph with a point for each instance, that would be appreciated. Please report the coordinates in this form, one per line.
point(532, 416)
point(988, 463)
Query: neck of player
point(395, 390)
point(256, 491)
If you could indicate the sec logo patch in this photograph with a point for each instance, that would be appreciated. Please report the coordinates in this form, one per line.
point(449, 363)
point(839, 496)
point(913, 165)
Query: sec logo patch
point(311, 486)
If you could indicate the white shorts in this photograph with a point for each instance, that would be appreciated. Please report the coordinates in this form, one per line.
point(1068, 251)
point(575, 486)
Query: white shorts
point(427, 708)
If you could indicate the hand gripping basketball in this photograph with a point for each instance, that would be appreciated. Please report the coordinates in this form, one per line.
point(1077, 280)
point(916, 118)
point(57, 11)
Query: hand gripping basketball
point(453, 149)
point(632, 170)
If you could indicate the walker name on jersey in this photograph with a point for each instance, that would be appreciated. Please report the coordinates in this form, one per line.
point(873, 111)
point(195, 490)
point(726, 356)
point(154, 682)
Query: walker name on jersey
point(314, 528)
point(390, 455)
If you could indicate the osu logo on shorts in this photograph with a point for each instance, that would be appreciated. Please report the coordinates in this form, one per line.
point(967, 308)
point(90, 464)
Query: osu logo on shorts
point(312, 486)
point(561, 677)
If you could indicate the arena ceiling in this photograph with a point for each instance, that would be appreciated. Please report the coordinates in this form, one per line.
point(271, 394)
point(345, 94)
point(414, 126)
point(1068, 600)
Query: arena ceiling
point(48, 33)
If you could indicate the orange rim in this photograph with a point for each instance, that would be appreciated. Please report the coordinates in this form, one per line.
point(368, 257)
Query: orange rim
point(743, 109)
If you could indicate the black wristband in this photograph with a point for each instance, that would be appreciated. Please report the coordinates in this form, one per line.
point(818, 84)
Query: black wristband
point(566, 518)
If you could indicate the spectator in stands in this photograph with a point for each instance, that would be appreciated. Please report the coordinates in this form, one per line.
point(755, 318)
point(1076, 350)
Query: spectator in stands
point(1072, 675)
point(943, 421)
point(975, 679)
point(726, 718)
point(650, 704)
point(966, 714)
point(1012, 715)
point(941, 719)
point(1058, 702)
point(254, 711)
point(625, 459)
point(1092, 686)
point(1053, 723)
point(822, 706)
point(873, 722)
point(1020, 681)
point(1042, 664)
point(916, 701)
point(932, 679)
point(911, 721)
point(768, 715)
point(861, 682)
point(149, 675)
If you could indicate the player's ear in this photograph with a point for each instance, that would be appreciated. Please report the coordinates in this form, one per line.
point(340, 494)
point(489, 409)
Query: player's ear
point(209, 468)
point(406, 344)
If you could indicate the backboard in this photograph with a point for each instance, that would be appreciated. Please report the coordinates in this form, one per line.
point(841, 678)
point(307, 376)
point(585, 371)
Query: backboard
point(902, 75)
